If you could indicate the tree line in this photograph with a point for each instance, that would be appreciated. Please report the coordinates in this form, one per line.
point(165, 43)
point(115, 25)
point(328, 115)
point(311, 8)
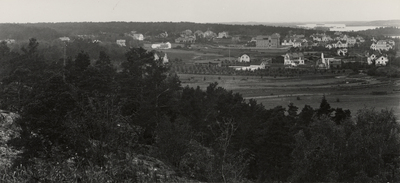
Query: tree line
point(84, 121)
point(50, 31)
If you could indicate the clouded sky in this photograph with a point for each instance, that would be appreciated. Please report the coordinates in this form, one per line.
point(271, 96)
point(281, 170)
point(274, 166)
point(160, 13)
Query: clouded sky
point(202, 11)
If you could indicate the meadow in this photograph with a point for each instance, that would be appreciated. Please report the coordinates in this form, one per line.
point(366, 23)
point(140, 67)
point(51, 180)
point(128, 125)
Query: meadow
point(346, 92)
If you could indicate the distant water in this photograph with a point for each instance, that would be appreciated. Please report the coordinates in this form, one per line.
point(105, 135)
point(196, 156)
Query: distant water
point(340, 27)
point(354, 28)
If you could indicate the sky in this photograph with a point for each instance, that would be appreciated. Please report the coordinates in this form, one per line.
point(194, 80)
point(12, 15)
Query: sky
point(199, 11)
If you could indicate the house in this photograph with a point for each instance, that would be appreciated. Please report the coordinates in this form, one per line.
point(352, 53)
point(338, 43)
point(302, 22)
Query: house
point(351, 41)
point(297, 43)
point(316, 38)
point(361, 39)
point(138, 37)
point(390, 42)
point(298, 36)
point(208, 63)
point(166, 45)
point(342, 52)
point(199, 33)
point(373, 39)
point(186, 39)
point(327, 63)
point(209, 34)
point(252, 67)
point(326, 38)
point(121, 42)
point(337, 33)
point(163, 35)
point(225, 41)
point(223, 35)
point(268, 41)
point(186, 33)
point(343, 37)
point(287, 42)
point(329, 46)
point(66, 39)
point(235, 39)
point(381, 45)
point(381, 61)
point(335, 63)
point(340, 44)
point(162, 56)
point(244, 58)
point(371, 58)
point(293, 59)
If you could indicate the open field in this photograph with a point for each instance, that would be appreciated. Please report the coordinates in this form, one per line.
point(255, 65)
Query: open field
point(352, 93)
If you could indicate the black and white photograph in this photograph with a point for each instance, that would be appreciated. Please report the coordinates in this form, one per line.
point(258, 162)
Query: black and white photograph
point(246, 91)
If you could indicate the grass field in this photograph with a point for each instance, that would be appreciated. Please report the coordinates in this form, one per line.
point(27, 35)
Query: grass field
point(210, 52)
point(353, 93)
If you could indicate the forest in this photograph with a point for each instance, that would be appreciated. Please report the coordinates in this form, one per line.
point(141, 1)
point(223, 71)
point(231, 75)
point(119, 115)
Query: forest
point(50, 31)
point(83, 121)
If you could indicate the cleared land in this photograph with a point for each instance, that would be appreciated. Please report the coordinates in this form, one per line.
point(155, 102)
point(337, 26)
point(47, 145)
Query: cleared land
point(352, 92)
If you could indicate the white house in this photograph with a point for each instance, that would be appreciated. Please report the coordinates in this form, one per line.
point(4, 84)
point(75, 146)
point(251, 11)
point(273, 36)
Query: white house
point(372, 56)
point(121, 42)
point(327, 63)
point(351, 41)
point(340, 44)
point(139, 37)
point(166, 45)
point(293, 59)
point(223, 35)
point(326, 38)
point(209, 34)
point(252, 67)
point(381, 45)
point(297, 43)
point(67, 39)
point(371, 59)
point(382, 60)
point(342, 52)
point(244, 58)
point(287, 42)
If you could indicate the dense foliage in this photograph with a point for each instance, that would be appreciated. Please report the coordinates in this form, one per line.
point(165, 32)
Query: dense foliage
point(87, 122)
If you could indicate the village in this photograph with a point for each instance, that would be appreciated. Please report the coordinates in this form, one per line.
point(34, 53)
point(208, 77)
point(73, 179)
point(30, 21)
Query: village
point(208, 52)
point(294, 51)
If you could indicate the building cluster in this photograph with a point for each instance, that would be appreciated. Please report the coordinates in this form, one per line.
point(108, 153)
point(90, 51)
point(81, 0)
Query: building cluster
point(340, 44)
point(338, 40)
point(378, 58)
